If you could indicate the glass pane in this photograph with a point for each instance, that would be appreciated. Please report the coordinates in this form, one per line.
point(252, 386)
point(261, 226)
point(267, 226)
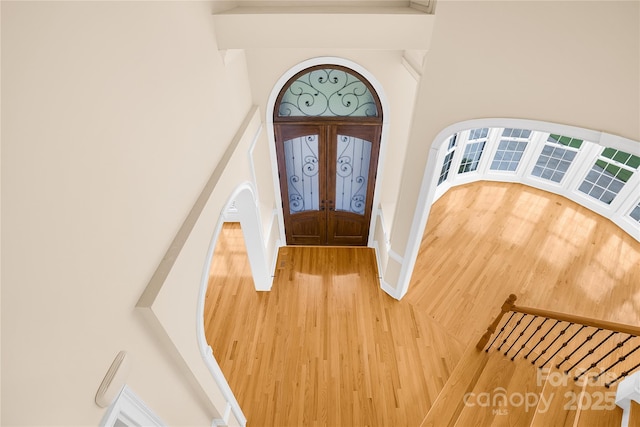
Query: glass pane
point(446, 165)
point(301, 160)
point(328, 93)
point(478, 133)
point(553, 163)
point(352, 174)
point(604, 181)
point(565, 140)
point(635, 213)
point(471, 158)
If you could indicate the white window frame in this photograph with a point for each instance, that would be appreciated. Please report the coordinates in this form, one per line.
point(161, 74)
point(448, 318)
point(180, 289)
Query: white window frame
point(524, 161)
point(446, 152)
point(618, 199)
point(130, 410)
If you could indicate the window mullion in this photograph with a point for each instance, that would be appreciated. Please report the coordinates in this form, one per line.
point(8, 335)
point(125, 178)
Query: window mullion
point(489, 151)
point(531, 153)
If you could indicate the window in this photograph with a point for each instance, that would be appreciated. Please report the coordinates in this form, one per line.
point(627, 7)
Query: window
point(609, 174)
point(473, 150)
point(635, 212)
point(556, 157)
point(478, 133)
point(510, 149)
point(328, 92)
point(446, 165)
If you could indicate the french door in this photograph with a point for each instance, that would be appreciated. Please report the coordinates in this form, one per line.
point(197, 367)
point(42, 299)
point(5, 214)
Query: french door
point(327, 176)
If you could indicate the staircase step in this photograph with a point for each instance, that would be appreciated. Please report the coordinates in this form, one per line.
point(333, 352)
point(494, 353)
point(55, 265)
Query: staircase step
point(523, 392)
point(501, 393)
point(450, 402)
point(481, 404)
point(596, 407)
point(559, 389)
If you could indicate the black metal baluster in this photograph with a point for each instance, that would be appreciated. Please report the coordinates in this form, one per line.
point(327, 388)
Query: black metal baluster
point(564, 344)
point(542, 338)
point(624, 374)
point(514, 328)
point(520, 336)
point(620, 359)
point(618, 346)
point(589, 353)
point(561, 333)
point(538, 328)
point(586, 340)
point(513, 313)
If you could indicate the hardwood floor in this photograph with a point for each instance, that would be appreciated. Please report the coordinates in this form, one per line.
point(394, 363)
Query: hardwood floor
point(486, 240)
point(327, 347)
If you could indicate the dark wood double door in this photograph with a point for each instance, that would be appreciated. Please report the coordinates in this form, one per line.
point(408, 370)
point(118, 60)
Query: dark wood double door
point(327, 177)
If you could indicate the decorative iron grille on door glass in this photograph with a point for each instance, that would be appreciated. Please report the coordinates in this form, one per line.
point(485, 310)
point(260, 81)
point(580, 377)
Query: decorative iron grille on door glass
point(352, 170)
point(301, 155)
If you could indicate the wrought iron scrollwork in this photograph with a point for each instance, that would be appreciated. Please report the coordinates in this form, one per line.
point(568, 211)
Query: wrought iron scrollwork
point(352, 168)
point(303, 193)
point(328, 92)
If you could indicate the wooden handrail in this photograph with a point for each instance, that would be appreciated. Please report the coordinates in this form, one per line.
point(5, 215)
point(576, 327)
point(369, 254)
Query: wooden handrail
point(571, 318)
point(509, 305)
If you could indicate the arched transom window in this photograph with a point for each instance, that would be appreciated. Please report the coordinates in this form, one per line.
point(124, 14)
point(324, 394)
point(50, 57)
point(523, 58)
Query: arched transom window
point(328, 91)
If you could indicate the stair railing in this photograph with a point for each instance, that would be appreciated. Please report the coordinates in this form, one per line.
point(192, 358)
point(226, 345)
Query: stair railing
point(608, 351)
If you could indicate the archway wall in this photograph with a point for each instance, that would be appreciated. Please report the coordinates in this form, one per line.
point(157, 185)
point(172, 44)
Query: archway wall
point(394, 83)
point(170, 291)
point(574, 63)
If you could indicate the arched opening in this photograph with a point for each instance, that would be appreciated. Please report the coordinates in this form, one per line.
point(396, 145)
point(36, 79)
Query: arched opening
point(242, 202)
point(327, 123)
point(594, 169)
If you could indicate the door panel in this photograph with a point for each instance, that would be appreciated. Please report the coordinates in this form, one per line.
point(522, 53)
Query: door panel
point(327, 177)
point(351, 173)
point(301, 158)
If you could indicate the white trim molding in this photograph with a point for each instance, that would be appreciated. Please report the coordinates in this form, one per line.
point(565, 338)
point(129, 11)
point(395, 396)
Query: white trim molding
point(628, 390)
point(130, 410)
point(244, 199)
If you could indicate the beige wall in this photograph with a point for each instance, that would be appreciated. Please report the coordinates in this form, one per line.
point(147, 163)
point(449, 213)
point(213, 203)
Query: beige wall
point(574, 63)
point(115, 114)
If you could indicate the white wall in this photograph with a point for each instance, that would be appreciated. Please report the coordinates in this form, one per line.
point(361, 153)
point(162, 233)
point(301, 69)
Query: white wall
point(115, 115)
point(574, 63)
